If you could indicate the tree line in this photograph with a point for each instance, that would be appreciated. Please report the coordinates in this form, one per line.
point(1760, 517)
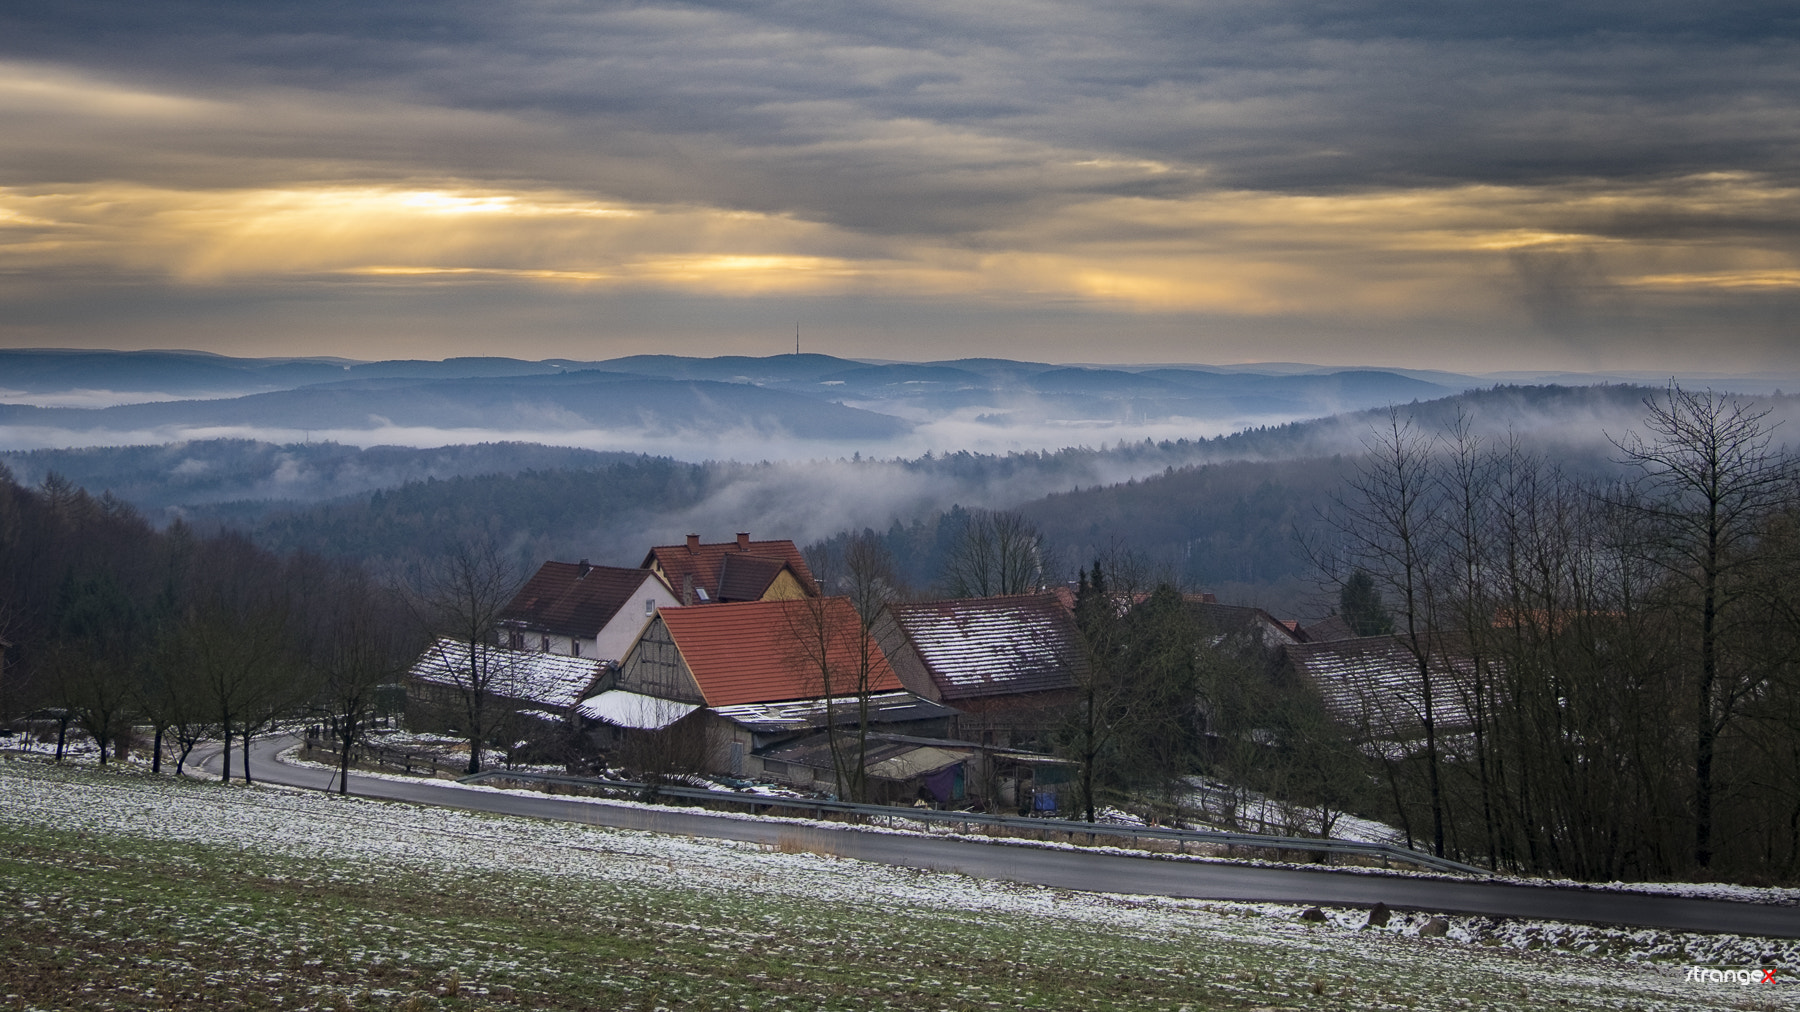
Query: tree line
point(115, 629)
point(1607, 671)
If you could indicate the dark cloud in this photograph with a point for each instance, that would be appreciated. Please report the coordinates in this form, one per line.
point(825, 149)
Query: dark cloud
point(1259, 94)
point(970, 128)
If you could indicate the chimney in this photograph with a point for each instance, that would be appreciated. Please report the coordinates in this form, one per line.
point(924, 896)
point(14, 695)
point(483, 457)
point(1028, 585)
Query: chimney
point(693, 541)
point(743, 541)
point(583, 569)
point(687, 589)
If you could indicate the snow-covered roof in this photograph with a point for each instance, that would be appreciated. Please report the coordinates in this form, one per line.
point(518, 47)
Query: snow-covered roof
point(631, 709)
point(551, 681)
point(884, 708)
point(1372, 683)
point(992, 646)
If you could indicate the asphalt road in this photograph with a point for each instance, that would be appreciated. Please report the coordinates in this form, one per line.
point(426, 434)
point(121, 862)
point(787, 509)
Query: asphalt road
point(1081, 870)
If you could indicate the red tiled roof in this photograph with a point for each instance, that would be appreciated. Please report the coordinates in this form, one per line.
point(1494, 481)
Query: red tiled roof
point(705, 562)
point(757, 651)
point(573, 599)
point(990, 646)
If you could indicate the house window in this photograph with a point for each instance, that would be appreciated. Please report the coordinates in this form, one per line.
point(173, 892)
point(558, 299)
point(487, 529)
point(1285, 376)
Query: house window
point(649, 605)
point(574, 648)
point(544, 644)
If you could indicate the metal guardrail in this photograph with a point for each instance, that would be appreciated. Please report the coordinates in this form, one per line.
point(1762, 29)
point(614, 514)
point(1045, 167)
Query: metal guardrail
point(410, 760)
point(1262, 841)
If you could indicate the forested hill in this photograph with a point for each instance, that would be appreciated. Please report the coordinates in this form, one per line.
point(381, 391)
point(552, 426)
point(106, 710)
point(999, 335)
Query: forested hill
point(169, 479)
point(1222, 514)
point(1233, 521)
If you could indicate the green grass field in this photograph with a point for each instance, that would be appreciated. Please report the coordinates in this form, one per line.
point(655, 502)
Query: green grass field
point(121, 890)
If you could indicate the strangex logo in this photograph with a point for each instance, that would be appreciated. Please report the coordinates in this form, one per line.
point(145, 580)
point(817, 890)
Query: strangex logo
point(1735, 975)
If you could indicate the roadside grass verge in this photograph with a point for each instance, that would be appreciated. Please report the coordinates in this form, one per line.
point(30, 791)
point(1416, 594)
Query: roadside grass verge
point(124, 891)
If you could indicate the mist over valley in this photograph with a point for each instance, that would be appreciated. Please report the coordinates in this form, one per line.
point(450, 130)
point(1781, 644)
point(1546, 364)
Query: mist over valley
point(568, 460)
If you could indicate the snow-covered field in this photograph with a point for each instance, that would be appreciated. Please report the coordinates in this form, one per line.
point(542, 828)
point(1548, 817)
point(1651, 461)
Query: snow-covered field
point(885, 937)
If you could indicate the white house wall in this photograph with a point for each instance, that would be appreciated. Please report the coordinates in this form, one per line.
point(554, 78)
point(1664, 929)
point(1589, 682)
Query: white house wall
point(614, 640)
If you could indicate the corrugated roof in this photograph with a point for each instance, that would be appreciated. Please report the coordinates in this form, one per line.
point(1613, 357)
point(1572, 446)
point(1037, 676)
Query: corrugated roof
point(762, 651)
point(1372, 683)
point(989, 646)
point(704, 561)
point(573, 599)
point(884, 757)
point(551, 681)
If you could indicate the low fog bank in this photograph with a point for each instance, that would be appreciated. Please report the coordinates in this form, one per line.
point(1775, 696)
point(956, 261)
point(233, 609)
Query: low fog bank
point(1021, 425)
point(1220, 513)
point(961, 431)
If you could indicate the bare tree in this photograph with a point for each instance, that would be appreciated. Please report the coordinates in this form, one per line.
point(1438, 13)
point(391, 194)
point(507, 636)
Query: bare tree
point(1389, 525)
point(92, 660)
point(237, 653)
point(835, 646)
point(1466, 479)
point(96, 690)
point(173, 695)
point(841, 655)
point(998, 552)
point(360, 644)
point(1708, 480)
point(460, 602)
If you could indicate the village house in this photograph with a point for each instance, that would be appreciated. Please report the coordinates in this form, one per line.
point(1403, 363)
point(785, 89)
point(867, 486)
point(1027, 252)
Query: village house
point(1010, 665)
point(732, 571)
point(580, 610)
point(722, 684)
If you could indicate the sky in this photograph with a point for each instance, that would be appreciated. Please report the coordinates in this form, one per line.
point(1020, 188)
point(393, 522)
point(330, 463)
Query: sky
point(1461, 185)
